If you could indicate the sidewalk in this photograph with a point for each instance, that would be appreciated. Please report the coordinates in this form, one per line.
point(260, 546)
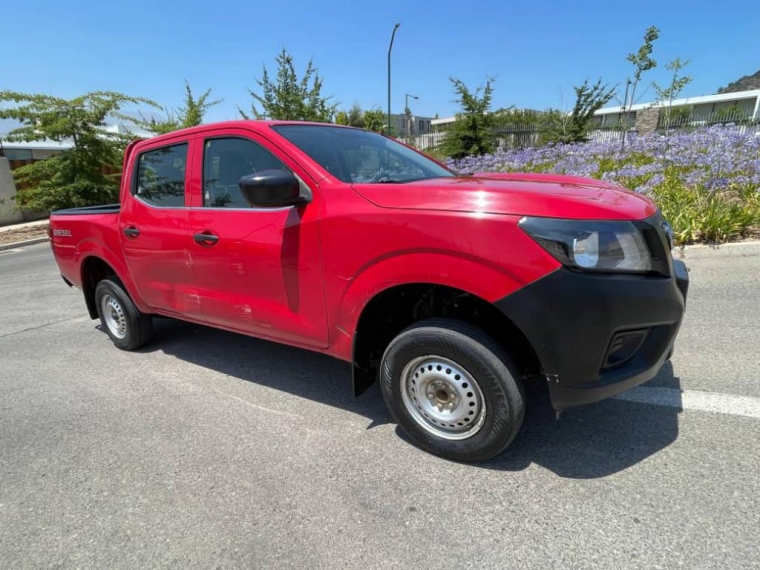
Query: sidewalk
point(23, 226)
point(18, 235)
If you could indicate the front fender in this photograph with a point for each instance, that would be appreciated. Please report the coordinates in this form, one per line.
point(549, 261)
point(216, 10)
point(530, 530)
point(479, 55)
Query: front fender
point(459, 271)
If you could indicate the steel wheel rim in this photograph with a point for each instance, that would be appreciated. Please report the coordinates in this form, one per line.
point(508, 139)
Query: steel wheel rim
point(443, 397)
point(114, 316)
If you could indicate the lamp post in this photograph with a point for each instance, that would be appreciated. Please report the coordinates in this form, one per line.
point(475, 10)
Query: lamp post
point(408, 114)
point(393, 35)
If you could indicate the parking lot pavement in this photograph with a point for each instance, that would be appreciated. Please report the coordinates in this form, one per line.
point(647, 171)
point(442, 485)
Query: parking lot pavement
point(213, 450)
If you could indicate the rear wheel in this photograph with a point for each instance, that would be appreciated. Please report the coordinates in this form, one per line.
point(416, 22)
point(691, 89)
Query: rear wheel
point(128, 328)
point(453, 389)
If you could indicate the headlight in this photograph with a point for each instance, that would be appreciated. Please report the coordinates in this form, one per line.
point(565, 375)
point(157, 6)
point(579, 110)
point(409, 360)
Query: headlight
point(616, 247)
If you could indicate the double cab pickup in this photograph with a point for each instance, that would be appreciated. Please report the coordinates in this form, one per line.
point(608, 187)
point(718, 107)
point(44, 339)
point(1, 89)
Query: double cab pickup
point(453, 291)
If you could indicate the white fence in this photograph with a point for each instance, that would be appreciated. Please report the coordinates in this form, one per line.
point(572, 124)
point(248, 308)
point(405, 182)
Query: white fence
point(524, 136)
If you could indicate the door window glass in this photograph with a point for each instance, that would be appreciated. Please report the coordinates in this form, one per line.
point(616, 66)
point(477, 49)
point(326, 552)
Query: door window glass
point(225, 162)
point(161, 176)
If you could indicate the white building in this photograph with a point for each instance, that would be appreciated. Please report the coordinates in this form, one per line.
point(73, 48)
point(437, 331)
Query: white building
point(37, 150)
point(742, 104)
point(405, 126)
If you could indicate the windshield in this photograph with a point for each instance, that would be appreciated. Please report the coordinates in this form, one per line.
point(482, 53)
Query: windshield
point(354, 155)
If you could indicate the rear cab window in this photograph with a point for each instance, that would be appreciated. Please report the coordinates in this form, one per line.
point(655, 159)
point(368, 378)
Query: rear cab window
point(160, 176)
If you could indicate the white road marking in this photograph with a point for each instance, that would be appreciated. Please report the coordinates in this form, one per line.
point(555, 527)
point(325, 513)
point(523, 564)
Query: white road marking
point(695, 400)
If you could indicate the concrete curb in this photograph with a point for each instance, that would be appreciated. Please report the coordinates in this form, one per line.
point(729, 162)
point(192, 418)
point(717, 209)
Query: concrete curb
point(16, 244)
point(734, 249)
point(24, 226)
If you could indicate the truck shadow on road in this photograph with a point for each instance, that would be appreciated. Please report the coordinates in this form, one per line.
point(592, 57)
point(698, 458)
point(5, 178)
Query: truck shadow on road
point(592, 441)
point(585, 443)
point(299, 372)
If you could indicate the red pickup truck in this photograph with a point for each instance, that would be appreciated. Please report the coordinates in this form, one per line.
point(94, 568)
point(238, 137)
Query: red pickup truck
point(452, 290)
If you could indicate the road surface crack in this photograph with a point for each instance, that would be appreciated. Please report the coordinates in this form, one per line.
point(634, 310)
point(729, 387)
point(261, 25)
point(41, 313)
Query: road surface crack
point(40, 326)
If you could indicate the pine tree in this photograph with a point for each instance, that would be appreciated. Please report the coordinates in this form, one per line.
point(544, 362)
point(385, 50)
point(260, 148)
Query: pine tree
point(290, 98)
point(472, 132)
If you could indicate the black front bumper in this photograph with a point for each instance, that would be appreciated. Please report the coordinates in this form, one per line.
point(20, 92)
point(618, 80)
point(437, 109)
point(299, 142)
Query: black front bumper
point(574, 322)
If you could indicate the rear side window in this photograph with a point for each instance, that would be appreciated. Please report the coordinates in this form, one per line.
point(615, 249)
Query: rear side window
point(161, 176)
point(225, 162)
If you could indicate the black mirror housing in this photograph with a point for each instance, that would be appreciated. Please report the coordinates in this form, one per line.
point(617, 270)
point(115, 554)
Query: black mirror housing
point(271, 189)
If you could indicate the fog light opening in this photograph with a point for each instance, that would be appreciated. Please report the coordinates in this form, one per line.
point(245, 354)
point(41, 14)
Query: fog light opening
point(624, 346)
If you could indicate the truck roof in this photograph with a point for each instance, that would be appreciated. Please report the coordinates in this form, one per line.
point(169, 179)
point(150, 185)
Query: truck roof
point(255, 125)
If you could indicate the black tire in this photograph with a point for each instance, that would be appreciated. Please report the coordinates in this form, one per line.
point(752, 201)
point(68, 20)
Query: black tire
point(128, 328)
point(486, 362)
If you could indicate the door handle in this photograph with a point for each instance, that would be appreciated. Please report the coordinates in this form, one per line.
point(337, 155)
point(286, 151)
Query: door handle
point(131, 232)
point(206, 239)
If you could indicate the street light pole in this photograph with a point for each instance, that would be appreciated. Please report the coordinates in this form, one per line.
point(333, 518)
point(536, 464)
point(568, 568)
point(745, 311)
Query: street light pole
point(407, 113)
point(393, 35)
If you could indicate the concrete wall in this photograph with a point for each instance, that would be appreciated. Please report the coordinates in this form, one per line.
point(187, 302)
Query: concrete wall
point(9, 214)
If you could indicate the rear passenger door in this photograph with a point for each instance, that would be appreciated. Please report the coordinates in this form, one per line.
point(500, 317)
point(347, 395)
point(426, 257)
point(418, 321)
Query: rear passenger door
point(154, 231)
point(257, 270)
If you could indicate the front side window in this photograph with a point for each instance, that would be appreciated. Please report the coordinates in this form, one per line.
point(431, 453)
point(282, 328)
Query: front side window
point(161, 176)
point(354, 155)
point(225, 162)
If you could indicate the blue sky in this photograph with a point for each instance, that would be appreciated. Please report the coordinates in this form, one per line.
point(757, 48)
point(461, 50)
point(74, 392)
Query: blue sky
point(536, 50)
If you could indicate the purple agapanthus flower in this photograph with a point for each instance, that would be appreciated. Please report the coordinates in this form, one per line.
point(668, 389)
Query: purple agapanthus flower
point(712, 159)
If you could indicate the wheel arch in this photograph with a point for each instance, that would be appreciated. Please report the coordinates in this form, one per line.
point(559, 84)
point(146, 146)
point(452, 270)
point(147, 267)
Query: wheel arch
point(397, 307)
point(93, 271)
point(97, 264)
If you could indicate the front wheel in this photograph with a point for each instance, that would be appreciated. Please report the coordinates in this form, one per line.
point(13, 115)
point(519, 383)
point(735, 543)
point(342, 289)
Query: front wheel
point(453, 389)
point(128, 328)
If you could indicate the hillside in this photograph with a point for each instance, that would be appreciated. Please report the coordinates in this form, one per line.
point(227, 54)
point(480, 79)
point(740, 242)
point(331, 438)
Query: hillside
point(745, 83)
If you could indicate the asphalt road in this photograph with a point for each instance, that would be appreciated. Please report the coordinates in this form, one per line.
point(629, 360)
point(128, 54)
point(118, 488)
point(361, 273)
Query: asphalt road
point(213, 450)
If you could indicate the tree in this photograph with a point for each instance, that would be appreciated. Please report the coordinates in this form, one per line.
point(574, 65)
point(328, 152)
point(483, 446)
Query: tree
point(472, 132)
point(374, 120)
point(290, 98)
point(677, 83)
point(642, 60)
point(513, 116)
point(573, 127)
point(86, 174)
point(191, 115)
point(355, 116)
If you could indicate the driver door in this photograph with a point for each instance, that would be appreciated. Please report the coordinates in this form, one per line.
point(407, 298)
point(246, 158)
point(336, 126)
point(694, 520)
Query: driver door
point(257, 270)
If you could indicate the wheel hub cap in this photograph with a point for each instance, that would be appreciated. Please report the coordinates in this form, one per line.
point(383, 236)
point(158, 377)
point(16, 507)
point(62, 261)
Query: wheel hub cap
point(442, 397)
point(114, 317)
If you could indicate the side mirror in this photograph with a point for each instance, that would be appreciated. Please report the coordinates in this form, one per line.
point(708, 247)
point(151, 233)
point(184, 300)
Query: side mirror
point(271, 189)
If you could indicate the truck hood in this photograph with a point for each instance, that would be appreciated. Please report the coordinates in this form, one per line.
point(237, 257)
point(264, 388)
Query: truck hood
point(543, 195)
